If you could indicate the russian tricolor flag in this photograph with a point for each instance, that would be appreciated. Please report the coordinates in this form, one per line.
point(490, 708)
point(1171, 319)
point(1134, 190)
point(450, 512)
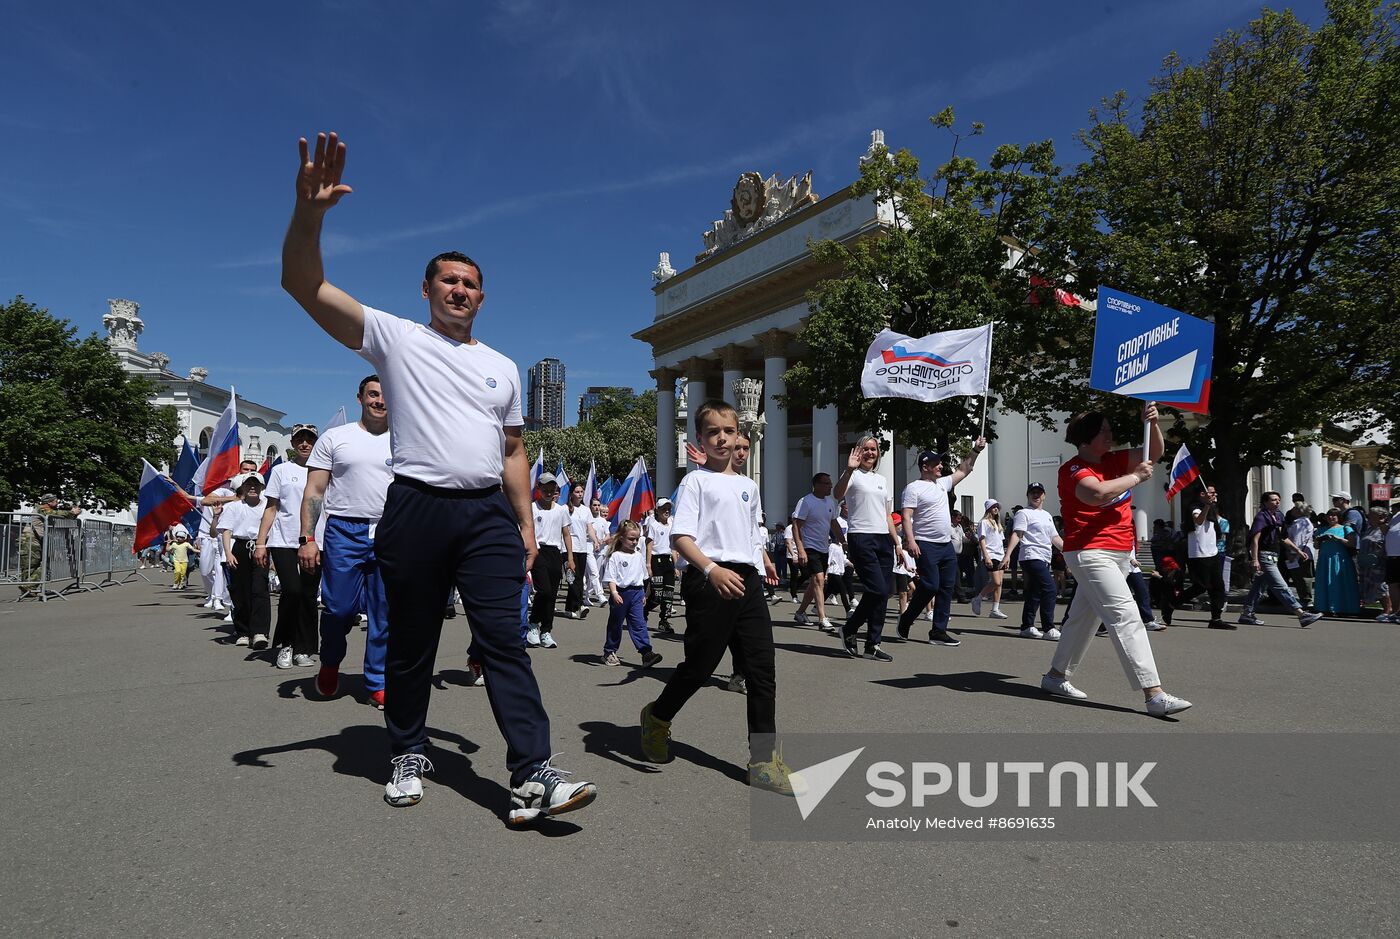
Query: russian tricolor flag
point(183, 474)
point(1184, 472)
point(536, 472)
point(221, 464)
point(590, 486)
point(158, 506)
point(634, 498)
point(563, 479)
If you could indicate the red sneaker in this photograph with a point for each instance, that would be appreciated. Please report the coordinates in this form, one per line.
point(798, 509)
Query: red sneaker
point(328, 681)
point(376, 699)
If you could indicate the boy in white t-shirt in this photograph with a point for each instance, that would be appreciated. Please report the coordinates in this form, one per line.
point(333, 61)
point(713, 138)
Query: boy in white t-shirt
point(1034, 533)
point(716, 511)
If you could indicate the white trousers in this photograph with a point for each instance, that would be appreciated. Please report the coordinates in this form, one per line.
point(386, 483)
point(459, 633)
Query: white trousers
point(211, 569)
point(592, 586)
point(1104, 597)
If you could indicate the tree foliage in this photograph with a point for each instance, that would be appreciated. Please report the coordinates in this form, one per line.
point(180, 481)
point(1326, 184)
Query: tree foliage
point(71, 419)
point(1259, 189)
point(943, 262)
point(622, 428)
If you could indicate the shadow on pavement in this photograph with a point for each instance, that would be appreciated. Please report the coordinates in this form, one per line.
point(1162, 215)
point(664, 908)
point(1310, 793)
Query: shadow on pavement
point(833, 651)
point(621, 745)
point(991, 683)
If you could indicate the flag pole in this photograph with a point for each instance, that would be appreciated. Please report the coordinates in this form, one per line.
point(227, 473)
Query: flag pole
point(987, 382)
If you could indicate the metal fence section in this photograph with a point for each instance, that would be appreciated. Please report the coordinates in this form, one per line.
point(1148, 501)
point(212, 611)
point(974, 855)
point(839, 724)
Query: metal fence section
point(49, 557)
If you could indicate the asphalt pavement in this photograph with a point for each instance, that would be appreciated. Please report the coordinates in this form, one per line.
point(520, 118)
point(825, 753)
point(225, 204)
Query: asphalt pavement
point(160, 781)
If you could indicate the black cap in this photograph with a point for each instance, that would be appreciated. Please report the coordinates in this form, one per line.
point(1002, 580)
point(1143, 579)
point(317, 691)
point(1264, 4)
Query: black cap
point(931, 456)
point(1035, 487)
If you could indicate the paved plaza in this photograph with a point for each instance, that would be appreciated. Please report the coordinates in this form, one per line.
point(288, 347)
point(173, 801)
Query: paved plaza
point(161, 782)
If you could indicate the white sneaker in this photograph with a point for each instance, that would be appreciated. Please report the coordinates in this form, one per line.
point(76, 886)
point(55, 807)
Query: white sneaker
point(997, 613)
point(208, 604)
point(547, 793)
point(1163, 704)
point(801, 619)
point(219, 605)
point(1155, 627)
point(1030, 632)
point(302, 661)
point(406, 786)
point(828, 626)
point(928, 614)
point(547, 641)
point(1052, 634)
point(241, 641)
point(1060, 688)
point(284, 657)
point(830, 601)
point(977, 605)
point(532, 637)
point(259, 642)
point(229, 617)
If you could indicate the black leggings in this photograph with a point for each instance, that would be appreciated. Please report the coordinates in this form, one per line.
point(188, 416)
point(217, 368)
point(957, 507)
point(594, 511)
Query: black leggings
point(296, 606)
point(1206, 577)
point(247, 587)
point(546, 574)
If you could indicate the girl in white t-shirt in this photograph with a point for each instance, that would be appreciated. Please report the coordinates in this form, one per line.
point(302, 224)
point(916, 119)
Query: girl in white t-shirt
point(625, 576)
point(905, 568)
point(991, 543)
point(838, 572)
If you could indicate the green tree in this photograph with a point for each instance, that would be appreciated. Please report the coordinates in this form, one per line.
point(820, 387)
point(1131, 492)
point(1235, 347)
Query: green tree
point(942, 261)
point(71, 420)
point(1259, 189)
point(622, 428)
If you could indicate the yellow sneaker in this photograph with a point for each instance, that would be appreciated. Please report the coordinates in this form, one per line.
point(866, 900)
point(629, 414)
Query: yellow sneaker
point(777, 776)
point(656, 738)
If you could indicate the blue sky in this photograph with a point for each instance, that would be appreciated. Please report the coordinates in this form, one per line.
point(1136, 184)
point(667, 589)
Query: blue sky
point(150, 150)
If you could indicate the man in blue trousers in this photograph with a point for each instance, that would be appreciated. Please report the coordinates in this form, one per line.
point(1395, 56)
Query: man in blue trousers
point(347, 478)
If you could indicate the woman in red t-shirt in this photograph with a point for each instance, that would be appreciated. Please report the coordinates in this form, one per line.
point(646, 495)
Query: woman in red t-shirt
point(1096, 491)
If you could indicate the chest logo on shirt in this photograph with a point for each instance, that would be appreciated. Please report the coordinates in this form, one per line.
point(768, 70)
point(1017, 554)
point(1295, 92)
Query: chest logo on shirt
point(744, 496)
point(389, 462)
point(1074, 467)
point(490, 383)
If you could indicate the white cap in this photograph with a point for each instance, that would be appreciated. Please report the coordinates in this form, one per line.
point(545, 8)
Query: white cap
point(1342, 494)
point(547, 478)
point(989, 503)
point(663, 504)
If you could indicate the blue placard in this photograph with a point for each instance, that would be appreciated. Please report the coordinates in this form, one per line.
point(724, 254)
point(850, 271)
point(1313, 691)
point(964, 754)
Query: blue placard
point(1145, 350)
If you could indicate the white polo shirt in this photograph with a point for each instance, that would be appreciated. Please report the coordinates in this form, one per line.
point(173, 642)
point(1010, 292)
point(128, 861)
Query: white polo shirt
point(448, 401)
point(718, 510)
point(928, 500)
point(361, 467)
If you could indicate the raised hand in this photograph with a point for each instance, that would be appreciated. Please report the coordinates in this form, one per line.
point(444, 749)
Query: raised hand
point(694, 454)
point(853, 461)
point(318, 181)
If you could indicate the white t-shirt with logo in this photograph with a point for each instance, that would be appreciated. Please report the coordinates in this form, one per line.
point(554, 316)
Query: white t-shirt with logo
point(990, 532)
point(1202, 541)
point(550, 524)
point(580, 520)
point(1037, 528)
point(868, 503)
point(816, 516)
point(659, 535)
point(928, 500)
point(448, 401)
point(718, 510)
point(285, 482)
point(361, 468)
point(625, 568)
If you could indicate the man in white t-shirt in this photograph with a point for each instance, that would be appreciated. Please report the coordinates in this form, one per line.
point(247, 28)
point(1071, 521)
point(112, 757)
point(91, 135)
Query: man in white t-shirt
point(1033, 531)
point(347, 479)
point(552, 531)
point(1203, 539)
point(657, 531)
point(580, 522)
point(459, 507)
point(928, 537)
point(295, 635)
point(814, 526)
point(873, 542)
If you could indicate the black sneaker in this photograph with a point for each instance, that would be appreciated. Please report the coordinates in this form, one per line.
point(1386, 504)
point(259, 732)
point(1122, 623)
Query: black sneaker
point(941, 637)
point(1103, 630)
point(650, 658)
point(878, 654)
point(901, 634)
point(1249, 619)
point(1221, 624)
point(851, 646)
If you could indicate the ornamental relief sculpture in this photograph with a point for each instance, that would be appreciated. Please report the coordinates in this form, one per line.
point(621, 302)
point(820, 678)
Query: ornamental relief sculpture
point(755, 204)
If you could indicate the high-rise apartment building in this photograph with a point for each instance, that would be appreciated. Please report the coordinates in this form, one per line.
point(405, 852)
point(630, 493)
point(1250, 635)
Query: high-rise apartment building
point(590, 398)
point(544, 402)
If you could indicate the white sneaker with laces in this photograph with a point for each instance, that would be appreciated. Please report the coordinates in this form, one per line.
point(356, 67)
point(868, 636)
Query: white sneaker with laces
point(532, 637)
point(928, 614)
point(1060, 688)
point(546, 792)
point(1155, 627)
point(259, 642)
point(828, 626)
point(302, 660)
point(406, 786)
point(241, 641)
point(547, 641)
point(1162, 704)
point(996, 613)
point(1052, 634)
point(284, 657)
point(1030, 632)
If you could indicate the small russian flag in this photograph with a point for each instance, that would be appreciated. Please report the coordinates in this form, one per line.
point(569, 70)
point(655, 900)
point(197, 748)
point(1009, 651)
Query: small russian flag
point(158, 506)
point(634, 498)
point(1184, 472)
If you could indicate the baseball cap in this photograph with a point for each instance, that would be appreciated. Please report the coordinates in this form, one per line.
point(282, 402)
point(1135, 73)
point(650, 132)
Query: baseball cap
point(547, 479)
point(1035, 487)
point(931, 456)
point(1342, 494)
point(663, 503)
point(243, 479)
point(298, 429)
point(47, 497)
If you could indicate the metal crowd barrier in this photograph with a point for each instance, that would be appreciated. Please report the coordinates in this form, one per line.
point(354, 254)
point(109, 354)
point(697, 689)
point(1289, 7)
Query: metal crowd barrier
point(48, 557)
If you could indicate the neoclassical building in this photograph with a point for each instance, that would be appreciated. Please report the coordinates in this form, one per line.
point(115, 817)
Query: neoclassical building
point(197, 403)
point(727, 327)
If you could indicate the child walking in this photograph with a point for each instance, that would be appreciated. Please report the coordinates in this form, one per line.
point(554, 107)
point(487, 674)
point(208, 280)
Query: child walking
point(180, 551)
point(625, 576)
point(716, 512)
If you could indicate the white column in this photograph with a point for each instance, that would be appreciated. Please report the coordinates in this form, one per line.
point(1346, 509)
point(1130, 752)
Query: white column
point(695, 392)
point(775, 431)
point(1334, 479)
point(1286, 477)
point(732, 361)
point(824, 441)
point(1313, 481)
point(665, 430)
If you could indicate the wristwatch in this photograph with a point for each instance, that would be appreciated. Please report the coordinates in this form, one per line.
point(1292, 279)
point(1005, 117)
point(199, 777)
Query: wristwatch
point(306, 539)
